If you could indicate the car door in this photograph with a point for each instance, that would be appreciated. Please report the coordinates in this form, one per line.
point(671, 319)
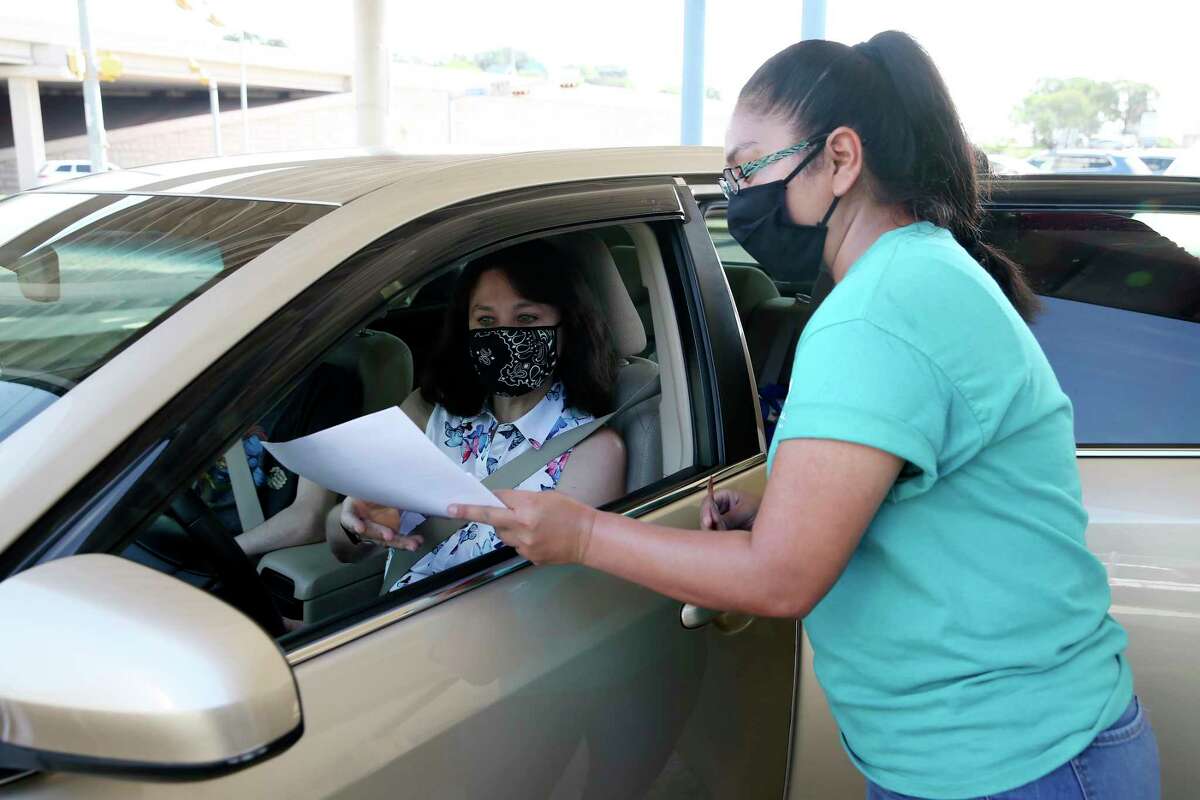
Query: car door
point(495, 678)
point(1117, 263)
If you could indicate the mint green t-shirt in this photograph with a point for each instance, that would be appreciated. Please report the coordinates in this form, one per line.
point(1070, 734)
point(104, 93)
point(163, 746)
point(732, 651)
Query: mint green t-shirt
point(967, 648)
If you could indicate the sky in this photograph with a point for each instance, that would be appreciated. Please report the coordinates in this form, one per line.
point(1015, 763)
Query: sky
point(991, 53)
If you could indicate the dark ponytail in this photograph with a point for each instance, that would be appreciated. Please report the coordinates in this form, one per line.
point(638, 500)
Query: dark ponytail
point(914, 146)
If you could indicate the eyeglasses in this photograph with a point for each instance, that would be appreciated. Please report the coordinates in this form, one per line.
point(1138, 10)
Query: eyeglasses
point(731, 177)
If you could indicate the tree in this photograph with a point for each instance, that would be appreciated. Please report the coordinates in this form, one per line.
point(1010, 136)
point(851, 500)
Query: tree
point(1067, 110)
point(605, 75)
point(505, 59)
point(1136, 99)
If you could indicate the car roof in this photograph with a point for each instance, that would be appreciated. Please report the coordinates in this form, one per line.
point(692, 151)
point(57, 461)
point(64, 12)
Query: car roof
point(338, 177)
point(1087, 151)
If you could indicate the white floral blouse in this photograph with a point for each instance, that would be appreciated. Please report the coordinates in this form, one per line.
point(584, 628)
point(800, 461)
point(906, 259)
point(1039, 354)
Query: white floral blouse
point(481, 444)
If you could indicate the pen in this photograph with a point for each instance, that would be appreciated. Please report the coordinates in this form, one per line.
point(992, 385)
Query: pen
point(716, 509)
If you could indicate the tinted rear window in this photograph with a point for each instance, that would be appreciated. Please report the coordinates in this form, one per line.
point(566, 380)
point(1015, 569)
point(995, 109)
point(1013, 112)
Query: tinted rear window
point(82, 276)
point(1121, 320)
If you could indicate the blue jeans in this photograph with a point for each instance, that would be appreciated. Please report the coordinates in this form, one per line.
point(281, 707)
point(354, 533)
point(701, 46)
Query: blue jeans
point(1121, 763)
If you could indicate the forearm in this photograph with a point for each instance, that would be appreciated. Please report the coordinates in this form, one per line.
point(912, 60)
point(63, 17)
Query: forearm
point(713, 569)
point(293, 526)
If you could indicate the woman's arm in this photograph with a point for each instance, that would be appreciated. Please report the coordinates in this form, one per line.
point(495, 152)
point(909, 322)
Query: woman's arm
point(299, 523)
point(595, 472)
point(820, 498)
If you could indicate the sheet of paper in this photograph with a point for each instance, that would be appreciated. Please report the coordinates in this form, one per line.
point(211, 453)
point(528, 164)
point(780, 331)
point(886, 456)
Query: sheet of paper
point(383, 458)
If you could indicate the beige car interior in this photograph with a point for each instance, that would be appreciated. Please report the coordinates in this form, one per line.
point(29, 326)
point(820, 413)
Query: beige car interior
point(770, 322)
point(657, 432)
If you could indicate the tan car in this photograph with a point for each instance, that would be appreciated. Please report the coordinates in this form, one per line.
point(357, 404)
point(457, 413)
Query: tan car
point(150, 319)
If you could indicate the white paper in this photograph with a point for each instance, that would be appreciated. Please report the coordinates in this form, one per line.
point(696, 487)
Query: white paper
point(383, 458)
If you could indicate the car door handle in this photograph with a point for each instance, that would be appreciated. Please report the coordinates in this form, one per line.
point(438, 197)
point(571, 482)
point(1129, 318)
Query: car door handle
point(694, 617)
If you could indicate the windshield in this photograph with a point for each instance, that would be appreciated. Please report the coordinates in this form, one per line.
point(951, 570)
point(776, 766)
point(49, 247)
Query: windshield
point(82, 276)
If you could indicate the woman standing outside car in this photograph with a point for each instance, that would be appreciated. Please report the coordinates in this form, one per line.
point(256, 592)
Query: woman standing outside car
point(923, 510)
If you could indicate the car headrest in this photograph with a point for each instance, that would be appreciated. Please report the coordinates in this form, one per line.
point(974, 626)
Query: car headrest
point(602, 275)
point(382, 363)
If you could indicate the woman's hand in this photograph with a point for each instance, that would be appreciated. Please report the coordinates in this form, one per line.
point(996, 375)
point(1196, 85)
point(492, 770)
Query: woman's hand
point(729, 509)
point(376, 523)
point(545, 527)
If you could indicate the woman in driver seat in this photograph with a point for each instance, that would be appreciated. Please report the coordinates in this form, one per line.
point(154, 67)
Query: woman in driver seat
point(525, 355)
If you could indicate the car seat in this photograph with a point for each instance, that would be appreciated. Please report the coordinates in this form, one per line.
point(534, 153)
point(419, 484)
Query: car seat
point(640, 426)
point(383, 364)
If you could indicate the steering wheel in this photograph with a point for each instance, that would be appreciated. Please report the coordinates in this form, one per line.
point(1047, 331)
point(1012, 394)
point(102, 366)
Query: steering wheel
point(242, 587)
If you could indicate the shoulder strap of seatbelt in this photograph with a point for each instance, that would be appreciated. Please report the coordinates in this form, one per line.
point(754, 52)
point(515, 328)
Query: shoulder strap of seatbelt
point(786, 338)
point(510, 476)
point(245, 494)
point(775, 354)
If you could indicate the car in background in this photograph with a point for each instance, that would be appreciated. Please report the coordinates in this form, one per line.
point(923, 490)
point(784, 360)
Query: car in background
point(1092, 162)
point(58, 171)
point(1001, 164)
point(1158, 159)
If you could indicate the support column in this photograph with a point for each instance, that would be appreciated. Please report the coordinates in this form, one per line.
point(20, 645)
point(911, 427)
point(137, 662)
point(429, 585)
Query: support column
point(214, 110)
point(245, 104)
point(812, 24)
point(372, 71)
point(93, 111)
point(28, 139)
point(691, 128)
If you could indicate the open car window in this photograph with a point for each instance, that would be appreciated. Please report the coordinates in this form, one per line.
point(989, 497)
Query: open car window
point(636, 289)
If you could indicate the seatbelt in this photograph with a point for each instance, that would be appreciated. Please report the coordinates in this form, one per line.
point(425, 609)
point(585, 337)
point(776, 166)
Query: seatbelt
point(511, 475)
point(782, 343)
point(776, 353)
point(245, 494)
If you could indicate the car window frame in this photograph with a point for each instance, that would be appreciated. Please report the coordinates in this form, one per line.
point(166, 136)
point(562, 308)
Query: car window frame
point(97, 514)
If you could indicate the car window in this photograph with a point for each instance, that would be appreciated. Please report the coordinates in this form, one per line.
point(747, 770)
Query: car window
point(83, 167)
point(1120, 320)
point(380, 366)
point(63, 168)
point(81, 276)
point(1121, 317)
point(1158, 164)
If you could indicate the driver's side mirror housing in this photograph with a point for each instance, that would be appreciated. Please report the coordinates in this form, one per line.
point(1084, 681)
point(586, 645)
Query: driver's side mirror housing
point(112, 668)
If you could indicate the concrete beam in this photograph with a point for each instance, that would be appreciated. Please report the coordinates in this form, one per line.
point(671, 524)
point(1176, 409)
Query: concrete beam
point(28, 139)
point(49, 63)
point(15, 51)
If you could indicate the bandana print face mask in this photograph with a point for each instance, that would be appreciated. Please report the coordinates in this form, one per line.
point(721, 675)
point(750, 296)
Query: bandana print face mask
point(514, 361)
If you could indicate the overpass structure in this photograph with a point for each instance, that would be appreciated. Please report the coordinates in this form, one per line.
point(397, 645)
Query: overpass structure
point(158, 77)
point(151, 79)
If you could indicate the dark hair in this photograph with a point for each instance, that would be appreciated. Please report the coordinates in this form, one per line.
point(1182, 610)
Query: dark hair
point(543, 273)
point(914, 146)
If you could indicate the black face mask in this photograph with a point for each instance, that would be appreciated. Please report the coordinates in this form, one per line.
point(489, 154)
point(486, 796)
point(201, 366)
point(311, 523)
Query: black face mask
point(514, 361)
point(758, 219)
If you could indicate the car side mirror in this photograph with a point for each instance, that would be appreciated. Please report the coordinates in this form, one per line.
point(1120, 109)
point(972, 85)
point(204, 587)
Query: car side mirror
point(112, 668)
